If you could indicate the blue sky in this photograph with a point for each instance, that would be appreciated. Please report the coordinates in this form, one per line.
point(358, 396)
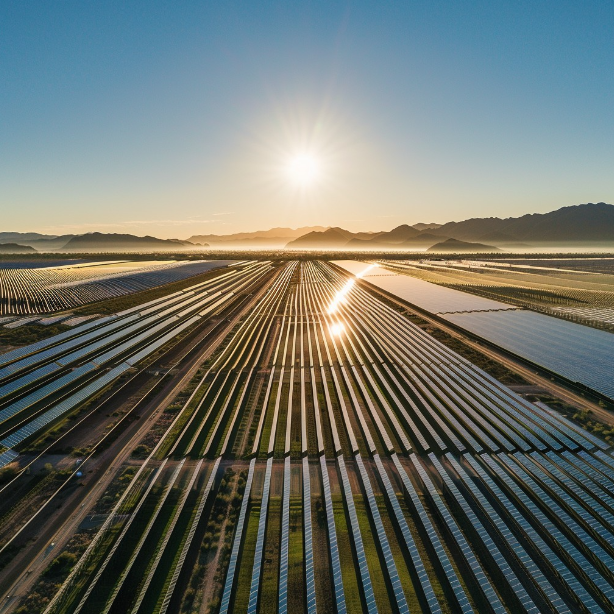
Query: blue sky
point(174, 118)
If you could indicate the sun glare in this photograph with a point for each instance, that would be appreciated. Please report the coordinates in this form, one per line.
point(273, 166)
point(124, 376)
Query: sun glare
point(340, 296)
point(303, 170)
point(363, 273)
point(336, 329)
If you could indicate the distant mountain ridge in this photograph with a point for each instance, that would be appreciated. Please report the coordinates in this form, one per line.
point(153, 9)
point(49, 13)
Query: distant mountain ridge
point(40, 242)
point(401, 237)
point(6, 237)
point(273, 238)
point(331, 237)
point(589, 223)
point(420, 226)
point(16, 248)
point(98, 241)
point(456, 246)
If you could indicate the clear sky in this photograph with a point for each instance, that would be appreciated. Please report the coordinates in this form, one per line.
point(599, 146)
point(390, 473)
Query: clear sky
point(175, 118)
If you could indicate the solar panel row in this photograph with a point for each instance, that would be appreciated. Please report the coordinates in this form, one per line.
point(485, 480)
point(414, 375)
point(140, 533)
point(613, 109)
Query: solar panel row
point(391, 567)
point(359, 548)
point(557, 565)
point(61, 408)
point(285, 538)
point(449, 521)
point(412, 549)
point(584, 565)
point(520, 553)
point(39, 394)
point(440, 552)
point(340, 604)
point(236, 544)
point(254, 591)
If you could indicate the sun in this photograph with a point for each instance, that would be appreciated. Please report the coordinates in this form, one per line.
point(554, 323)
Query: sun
point(303, 170)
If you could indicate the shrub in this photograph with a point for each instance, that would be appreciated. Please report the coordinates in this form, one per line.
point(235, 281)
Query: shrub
point(8, 473)
point(60, 565)
point(141, 451)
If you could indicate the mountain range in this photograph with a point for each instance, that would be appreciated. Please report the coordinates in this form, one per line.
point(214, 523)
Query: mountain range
point(262, 239)
point(590, 224)
point(587, 224)
point(15, 248)
point(454, 246)
point(98, 241)
point(14, 242)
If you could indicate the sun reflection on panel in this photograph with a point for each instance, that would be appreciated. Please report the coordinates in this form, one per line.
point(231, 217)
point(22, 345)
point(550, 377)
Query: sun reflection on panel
point(363, 273)
point(340, 296)
point(336, 329)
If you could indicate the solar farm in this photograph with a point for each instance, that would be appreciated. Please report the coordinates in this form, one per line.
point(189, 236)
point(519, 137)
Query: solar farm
point(29, 289)
point(582, 354)
point(296, 443)
point(580, 290)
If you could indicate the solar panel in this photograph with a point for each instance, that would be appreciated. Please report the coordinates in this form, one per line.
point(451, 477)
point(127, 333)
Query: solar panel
point(520, 553)
point(38, 395)
point(440, 551)
point(391, 567)
point(357, 538)
point(236, 544)
point(556, 563)
point(459, 538)
point(8, 456)
point(425, 583)
point(579, 559)
point(332, 540)
point(61, 408)
point(254, 591)
point(285, 539)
